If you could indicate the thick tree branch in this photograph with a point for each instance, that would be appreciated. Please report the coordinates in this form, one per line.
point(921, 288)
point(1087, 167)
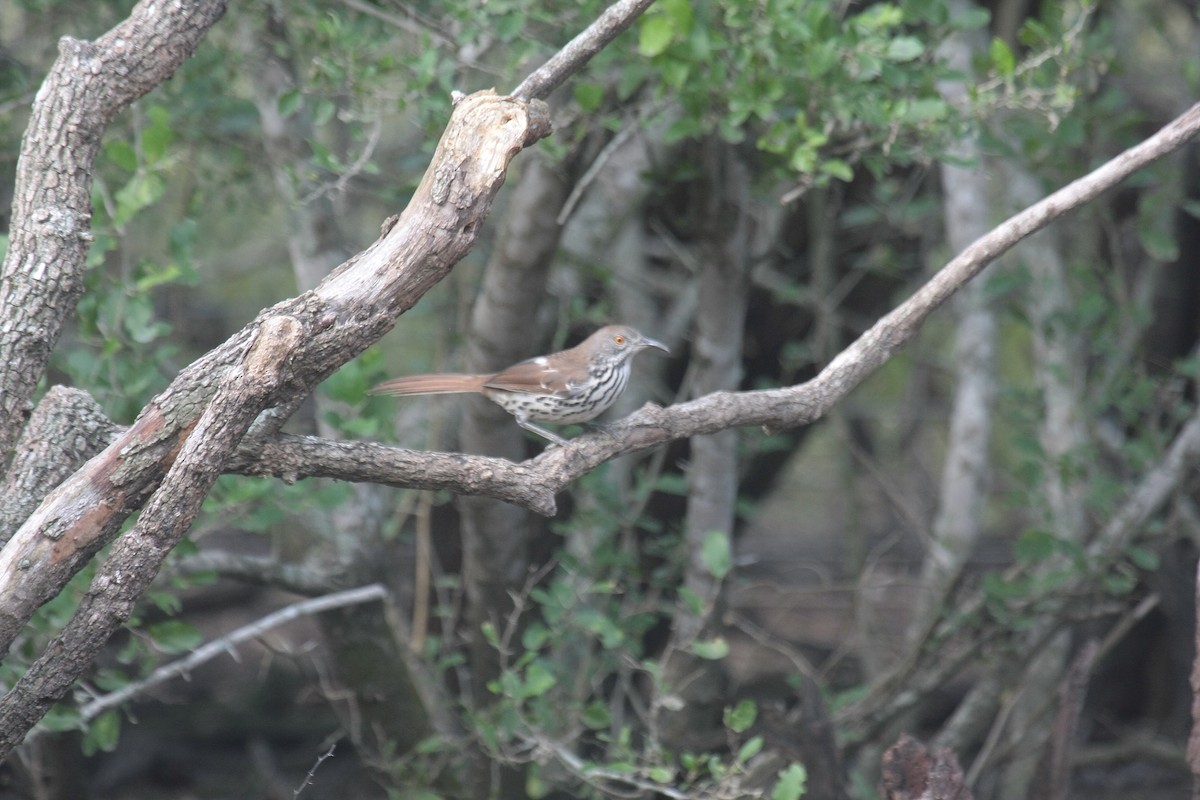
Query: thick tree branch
point(67, 428)
point(89, 84)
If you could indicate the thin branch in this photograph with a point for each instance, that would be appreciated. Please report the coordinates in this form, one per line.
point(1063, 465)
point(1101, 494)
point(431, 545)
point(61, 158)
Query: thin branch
point(228, 644)
point(416, 27)
point(571, 58)
point(594, 169)
point(360, 163)
point(308, 779)
point(259, 571)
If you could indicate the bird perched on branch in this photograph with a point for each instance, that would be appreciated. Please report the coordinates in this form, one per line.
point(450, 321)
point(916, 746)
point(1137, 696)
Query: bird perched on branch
point(575, 385)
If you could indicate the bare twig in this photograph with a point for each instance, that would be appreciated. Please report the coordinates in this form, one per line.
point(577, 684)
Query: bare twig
point(229, 643)
point(571, 58)
point(343, 180)
point(308, 779)
point(594, 170)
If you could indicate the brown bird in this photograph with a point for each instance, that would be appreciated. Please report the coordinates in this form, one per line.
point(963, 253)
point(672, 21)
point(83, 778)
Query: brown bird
point(575, 385)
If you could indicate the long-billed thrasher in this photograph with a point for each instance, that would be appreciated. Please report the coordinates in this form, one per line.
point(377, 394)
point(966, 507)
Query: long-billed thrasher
point(576, 385)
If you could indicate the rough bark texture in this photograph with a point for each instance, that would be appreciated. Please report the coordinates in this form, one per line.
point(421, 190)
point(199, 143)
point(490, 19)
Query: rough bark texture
point(136, 558)
point(912, 772)
point(67, 428)
point(90, 83)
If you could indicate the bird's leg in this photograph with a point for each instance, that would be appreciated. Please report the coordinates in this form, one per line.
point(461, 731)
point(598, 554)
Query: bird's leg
point(540, 431)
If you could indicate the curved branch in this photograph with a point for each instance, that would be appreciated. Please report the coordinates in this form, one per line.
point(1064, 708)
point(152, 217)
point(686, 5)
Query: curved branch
point(183, 667)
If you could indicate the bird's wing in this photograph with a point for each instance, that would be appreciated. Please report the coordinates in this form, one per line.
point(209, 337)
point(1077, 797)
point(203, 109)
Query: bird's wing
point(536, 376)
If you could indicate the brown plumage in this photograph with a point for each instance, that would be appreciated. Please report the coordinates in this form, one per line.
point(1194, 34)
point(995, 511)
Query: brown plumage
point(575, 385)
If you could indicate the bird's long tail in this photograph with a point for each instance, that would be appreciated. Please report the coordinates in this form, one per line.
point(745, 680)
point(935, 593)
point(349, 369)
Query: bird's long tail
point(443, 383)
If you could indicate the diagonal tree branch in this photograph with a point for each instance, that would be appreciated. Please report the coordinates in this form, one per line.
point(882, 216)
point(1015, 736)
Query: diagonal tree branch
point(534, 483)
point(577, 52)
point(89, 84)
point(183, 667)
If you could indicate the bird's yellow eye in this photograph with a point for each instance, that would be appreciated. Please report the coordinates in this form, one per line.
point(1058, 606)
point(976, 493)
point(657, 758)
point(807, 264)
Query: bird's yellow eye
point(619, 339)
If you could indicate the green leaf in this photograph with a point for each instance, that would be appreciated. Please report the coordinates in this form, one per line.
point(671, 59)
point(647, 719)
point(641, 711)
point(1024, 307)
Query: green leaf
point(1119, 582)
point(110, 680)
point(1158, 239)
point(174, 636)
point(925, 109)
point(655, 35)
point(103, 733)
point(791, 783)
point(970, 20)
point(289, 102)
point(535, 787)
point(692, 602)
point(750, 749)
point(1002, 58)
point(836, 168)
point(662, 775)
point(596, 715)
point(1035, 545)
point(589, 96)
point(716, 554)
point(143, 190)
point(877, 18)
point(323, 111)
point(166, 602)
point(904, 48)
point(1143, 558)
point(538, 681)
point(508, 26)
point(156, 276)
point(711, 649)
point(61, 718)
point(535, 637)
point(157, 136)
point(739, 718)
point(121, 153)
